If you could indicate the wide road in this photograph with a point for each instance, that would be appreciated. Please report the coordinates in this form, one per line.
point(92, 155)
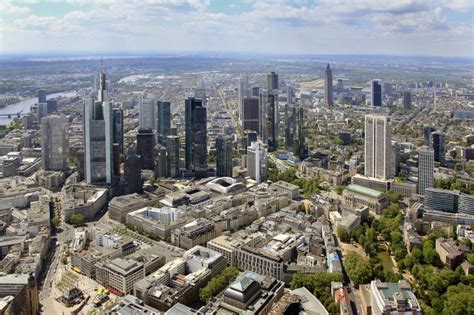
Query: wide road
point(235, 120)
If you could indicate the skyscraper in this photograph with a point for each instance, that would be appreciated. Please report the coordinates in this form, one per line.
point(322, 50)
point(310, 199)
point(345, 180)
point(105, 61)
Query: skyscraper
point(328, 88)
point(425, 169)
point(263, 115)
point(376, 93)
point(242, 92)
point(224, 156)
point(132, 175)
point(172, 145)
point(251, 114)
point(42, 96)
point(147, 113)
point(54, 143)
point(98, 142)
point(377, 147)
point(273, 121)
point(290, 125)
point(290, 94)
point(163, 121)
point(257, 161)
point(196, 137)
point(146, 148)
point(438, 146)
point(427, 136)
point(300, 146)
point(272, 81)
point(117, 128)
point(161, 167)
point(407, 100)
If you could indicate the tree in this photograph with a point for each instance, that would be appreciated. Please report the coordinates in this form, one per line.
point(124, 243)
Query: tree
point(339, 189)
point(78, 219)
point(359, 270)
point(64, 260)
point(343, 235)
point(56, 221)
point(218, 283)
point(393, 197)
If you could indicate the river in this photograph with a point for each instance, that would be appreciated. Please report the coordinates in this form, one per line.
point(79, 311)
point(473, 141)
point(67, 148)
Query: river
point(25, 106)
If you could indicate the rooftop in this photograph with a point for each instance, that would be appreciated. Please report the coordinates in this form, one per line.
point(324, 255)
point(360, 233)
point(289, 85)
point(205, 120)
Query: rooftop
point(364, 190)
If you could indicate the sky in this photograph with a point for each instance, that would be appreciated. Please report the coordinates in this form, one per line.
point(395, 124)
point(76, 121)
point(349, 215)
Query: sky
point(347, 27)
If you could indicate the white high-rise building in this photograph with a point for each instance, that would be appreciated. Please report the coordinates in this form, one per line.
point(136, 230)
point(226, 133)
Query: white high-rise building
point(54, 143)
point(425, 169)
point(242, 92)
point(147, 113)
point(257, 161)
point(378, 147)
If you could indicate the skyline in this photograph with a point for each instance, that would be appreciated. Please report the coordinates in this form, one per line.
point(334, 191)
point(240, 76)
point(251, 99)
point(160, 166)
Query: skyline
point(406, 28)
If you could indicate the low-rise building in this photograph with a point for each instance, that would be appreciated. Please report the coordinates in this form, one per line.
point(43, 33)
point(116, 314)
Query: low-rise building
point(449, 254)
point(197, 232)
point(355, 196)
point(82, 199)
point(120, 206)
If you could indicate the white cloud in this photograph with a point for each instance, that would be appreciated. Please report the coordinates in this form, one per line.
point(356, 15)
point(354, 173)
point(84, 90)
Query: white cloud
point(6, 7)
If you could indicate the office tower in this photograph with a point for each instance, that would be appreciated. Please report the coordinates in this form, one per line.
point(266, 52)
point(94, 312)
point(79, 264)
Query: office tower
point(163, 121)
point(147, 113)
point(242, 92)
point(300, 146)
point(51, 106)
point(263, 115)
point(172, 145)
point(407, 100)
point(290, 125)
point(98, 142)
point(133, 174)
point(146, 148)
point(387, 88)
point(116, 159)
point(249, 137)
point(438, 146)
point(42, 96)
point(117, 128)
point(273, 121)
point(224, 156)
point(257, 161)
point(42, 111)
point(395, 168)
point(161, 167)
point(425, 169)
point(272, 81)
point(376, 93)
point(256, 91)
point(328, 97)
point(290, 94)
point(377, 147)
point(196, 137)
point(250, 114)
point(427, 136)
point(54, 143)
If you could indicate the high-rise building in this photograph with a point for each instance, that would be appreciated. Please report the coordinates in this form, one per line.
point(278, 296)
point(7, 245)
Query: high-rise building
point(376, 93)
point(196, 137)
point(395, 168)
point(438, 146)
point(146, 148)
point(427, 136)
point(42, 111)
point(163, 121)
point(257, 161)
point(273, 121)
point(161, 167)
point(54, 143)
point(224, 156)
point(328, 88)
point(132, 175)
point(387, 88)
point(263, 115)
point(255, 91)
point(51, 106)
point(42, 96)
point(300, 145)
point(172, 145)
point(98, 157)
point(117, 128)
point(147, 113)
point(290, 125)
point(242, 92)
point(425, 169)
point(377, 147)
point(407, 100)
point(250, 113)
point(272, 81)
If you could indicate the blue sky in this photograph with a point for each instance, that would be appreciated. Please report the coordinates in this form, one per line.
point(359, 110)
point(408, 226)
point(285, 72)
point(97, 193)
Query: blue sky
point(403, 27)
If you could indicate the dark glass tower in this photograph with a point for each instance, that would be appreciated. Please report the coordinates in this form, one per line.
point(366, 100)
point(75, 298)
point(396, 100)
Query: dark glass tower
point(438, 146)
point(196, 137)
point(407, 100)
point(132, 176)
point(146, 148)
point(328, 88)
point(272, 81)
point(272, 121)
point(251, 113)
point(117, 128)
point(376, 93)
point(163, 121)
point(224, 156)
